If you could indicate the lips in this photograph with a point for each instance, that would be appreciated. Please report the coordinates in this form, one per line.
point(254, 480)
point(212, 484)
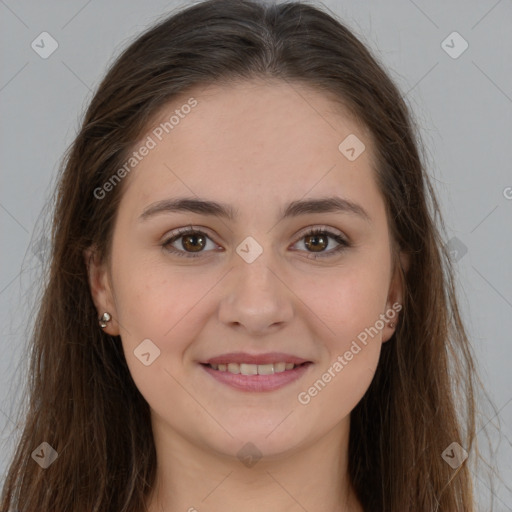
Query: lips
point(256, 373)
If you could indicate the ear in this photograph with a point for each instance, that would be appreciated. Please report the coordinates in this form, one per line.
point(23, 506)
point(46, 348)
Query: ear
point(395, 299)
point(101, 290)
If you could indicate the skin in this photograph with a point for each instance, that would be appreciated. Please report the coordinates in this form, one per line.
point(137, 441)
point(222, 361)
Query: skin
point(256, 146)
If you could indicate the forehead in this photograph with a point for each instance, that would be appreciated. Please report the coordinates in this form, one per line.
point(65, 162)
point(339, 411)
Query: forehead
point(273, 114)
point(251, 141)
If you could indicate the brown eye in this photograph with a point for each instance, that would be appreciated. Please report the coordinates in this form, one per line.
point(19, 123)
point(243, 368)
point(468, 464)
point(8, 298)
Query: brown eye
point(317, 240)
point(317, 243)
point(193, 242)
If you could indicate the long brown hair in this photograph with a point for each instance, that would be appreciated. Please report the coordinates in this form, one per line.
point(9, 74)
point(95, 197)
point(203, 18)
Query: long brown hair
point(82, 399)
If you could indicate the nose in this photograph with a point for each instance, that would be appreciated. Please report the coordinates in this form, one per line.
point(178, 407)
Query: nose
point(256, 298)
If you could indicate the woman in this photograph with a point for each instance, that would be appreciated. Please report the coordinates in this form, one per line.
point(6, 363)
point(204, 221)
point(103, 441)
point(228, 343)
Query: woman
point(249, 303)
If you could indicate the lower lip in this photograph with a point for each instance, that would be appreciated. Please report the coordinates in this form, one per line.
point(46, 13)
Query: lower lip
point(258, 383)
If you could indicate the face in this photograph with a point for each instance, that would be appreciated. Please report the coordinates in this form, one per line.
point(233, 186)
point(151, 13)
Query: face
point(273, 284)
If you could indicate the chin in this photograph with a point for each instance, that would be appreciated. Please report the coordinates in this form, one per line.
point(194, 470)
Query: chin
point(255, 442)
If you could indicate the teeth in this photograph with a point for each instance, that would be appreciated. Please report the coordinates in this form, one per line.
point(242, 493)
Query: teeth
point(249, 369)
point(233, 368)
point(265, 369)
point(253, 369)
point(280, 367)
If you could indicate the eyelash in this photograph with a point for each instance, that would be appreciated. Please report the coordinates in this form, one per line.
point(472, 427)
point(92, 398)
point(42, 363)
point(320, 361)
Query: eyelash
point(315, 231)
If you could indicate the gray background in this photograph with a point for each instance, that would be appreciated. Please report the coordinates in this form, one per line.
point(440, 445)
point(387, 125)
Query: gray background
point(463, 106)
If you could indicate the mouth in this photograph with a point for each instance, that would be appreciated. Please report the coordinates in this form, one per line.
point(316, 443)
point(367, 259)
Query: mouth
point(255, 369)
point(256, 377)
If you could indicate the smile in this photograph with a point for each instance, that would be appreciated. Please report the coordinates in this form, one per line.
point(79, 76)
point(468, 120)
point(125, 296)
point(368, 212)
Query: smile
point(256, 377)
point(254, 369)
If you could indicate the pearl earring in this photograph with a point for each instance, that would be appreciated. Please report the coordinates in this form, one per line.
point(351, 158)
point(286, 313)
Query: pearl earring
point(104, 319)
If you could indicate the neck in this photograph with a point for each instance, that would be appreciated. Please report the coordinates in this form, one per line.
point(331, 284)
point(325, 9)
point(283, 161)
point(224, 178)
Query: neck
point(307, 478)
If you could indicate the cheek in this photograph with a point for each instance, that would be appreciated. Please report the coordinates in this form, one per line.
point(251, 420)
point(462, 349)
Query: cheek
point(351, 332)
point(335, 390)
point(155, 332)
point(150, 297)
point(152, 310)
point(345, 300)
point(347, 308)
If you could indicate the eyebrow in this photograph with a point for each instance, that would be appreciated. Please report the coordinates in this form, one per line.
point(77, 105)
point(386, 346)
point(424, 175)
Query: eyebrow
point(333, 204)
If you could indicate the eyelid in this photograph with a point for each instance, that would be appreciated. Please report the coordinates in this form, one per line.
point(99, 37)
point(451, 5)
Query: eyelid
point(322, 228)
point(304, 231)
point(179, 233)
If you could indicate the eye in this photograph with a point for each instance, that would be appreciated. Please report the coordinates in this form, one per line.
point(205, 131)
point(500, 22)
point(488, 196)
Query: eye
point(318, 239)
point(194, 241)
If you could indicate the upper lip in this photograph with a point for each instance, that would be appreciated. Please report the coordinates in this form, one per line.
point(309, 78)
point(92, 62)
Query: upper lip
point(242, 357)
